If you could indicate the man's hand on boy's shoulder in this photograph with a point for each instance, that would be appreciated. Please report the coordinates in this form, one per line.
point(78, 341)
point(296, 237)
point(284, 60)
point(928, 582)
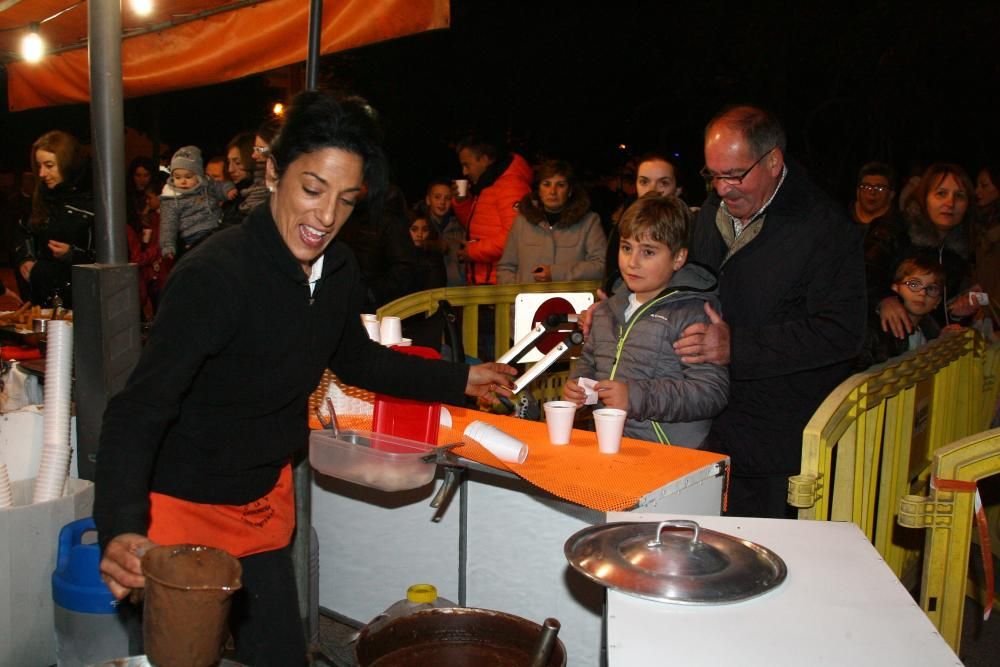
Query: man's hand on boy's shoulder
point(705, 342)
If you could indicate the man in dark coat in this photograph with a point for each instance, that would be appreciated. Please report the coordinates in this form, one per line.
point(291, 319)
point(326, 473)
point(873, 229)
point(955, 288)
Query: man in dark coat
point(792, 287)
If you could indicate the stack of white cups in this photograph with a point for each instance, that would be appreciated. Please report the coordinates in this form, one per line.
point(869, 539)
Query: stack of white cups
point(54, 468)
point(6, 494)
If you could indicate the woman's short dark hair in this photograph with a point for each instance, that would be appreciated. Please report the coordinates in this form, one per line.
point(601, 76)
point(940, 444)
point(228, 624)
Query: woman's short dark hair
point(243, 142)
point(550, 168)
point(666, 219)
point(269, 129)
point(317, 120)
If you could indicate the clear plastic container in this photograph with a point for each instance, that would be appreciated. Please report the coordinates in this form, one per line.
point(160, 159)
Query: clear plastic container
point(418, 597)
point(375, 460)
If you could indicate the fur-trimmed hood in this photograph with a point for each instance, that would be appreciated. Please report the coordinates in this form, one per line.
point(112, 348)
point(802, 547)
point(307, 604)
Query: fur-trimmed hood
point(577, 206)
point(923, 234)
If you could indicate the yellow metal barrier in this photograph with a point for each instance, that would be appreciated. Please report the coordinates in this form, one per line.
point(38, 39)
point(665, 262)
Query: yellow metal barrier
point(947, 516)
point(872, 440)
point(470, 299)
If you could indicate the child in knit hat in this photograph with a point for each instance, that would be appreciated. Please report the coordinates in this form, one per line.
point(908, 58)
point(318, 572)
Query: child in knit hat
point(190, 205)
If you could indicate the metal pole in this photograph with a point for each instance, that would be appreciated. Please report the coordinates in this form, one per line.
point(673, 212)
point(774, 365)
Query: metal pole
point(107, 126)
point(312, 55)
point(302, 473)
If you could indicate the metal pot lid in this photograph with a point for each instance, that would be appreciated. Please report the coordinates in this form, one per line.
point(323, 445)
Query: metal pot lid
point(674, 561)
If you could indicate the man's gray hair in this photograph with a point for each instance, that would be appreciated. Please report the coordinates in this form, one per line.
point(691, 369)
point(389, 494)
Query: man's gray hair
point(758, 126)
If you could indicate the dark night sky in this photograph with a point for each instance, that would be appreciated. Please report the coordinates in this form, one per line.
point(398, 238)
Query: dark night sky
point(852, 81)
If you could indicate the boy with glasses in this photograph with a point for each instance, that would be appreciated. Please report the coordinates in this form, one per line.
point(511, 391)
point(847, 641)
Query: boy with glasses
point(919, 284)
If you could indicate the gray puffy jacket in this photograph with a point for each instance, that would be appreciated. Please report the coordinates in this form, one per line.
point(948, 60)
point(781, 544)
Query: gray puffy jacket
point(682, 398)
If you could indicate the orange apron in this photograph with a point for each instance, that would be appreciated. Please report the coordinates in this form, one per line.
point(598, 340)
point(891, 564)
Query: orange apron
point(262, 525)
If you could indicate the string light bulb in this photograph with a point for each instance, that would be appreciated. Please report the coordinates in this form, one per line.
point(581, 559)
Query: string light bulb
point(279, 109)
point(142, 7)
point(32, 47)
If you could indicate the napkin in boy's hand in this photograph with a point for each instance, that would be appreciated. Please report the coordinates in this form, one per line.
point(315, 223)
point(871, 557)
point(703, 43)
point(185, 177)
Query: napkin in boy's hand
point(589, 390)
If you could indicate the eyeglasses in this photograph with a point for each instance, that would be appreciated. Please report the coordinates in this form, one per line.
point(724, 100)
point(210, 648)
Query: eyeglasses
point(710, 178)
point(916, 287)
point(870, 187)
point(261, 150)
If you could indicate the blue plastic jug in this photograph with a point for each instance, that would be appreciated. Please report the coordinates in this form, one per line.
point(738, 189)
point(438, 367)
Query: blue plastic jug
point(90, 627)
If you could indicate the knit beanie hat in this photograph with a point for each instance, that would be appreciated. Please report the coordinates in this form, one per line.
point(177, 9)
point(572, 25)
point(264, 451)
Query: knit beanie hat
point(187, 157)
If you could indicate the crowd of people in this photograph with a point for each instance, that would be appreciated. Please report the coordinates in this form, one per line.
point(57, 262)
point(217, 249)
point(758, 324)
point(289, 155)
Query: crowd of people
point(801, 295)
point(724, 320)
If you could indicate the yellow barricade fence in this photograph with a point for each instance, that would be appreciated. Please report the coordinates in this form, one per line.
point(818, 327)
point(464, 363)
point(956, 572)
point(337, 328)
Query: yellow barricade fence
point(873, 438)
point(947, 514)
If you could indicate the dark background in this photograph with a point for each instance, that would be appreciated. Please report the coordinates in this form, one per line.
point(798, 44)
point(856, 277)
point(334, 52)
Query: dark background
point(853, 81)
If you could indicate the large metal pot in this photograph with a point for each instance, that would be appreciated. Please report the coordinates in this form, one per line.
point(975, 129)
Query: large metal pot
point(455, 636)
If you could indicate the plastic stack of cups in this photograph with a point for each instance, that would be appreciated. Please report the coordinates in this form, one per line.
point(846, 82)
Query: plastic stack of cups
point(391, 330)
point(609, 423)
point(6, 494)
point(559, 417)
point(370, 320)
point(503, 446)
point(56, 450)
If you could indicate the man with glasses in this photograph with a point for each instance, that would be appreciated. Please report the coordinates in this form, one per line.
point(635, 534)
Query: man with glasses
point(792, 288)
point(874, 195)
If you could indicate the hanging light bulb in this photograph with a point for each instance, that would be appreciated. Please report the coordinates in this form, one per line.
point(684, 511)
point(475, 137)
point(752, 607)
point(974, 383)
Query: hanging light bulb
point(32, 47)
point(279, 109)
point(142, 7)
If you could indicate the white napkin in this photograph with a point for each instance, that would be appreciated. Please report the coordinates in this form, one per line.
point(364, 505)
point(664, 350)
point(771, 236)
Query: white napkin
point(589, 390)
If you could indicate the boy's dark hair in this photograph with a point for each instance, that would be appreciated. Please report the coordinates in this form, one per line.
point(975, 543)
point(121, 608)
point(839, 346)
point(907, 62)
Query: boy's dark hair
point(317, 120)
point(919, 264)
point(878, 169)
point(434, 182)
point(666, 220)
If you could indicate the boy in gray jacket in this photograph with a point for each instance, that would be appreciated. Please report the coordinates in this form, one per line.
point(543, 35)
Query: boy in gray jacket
point(190, 205)
point(630, 348)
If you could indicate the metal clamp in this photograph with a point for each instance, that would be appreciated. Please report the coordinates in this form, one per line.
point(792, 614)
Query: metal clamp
point(452, 479)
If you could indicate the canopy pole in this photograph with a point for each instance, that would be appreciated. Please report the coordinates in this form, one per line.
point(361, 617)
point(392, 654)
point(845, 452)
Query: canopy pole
point(312, 54)
point(302, 472)
point(106, 294)
point(107, 126)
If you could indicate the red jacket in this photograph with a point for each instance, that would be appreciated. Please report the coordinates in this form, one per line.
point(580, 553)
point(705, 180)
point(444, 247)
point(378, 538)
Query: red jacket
point(488, 215)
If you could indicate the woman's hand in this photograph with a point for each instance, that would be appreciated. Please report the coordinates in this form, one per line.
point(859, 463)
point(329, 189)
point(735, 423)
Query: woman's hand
point(59, 249)
point(490, 379)
point(121, 568)
point(574, 393)
point(613, 394)
point(542, 273)
point(25, 269)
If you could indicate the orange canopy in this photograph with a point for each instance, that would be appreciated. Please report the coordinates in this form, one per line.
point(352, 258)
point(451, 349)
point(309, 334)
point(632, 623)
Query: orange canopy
point(220, 47)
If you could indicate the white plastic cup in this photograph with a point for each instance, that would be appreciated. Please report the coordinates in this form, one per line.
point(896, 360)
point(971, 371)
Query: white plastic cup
point(559, 416)
point(610, 423)
point(405, 342)
point(461, 187)
point(370, 320)
point(503, 446)
point(391, 331)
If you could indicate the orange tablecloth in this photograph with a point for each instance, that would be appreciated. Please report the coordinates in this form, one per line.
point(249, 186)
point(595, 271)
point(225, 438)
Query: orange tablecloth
point(577, 472)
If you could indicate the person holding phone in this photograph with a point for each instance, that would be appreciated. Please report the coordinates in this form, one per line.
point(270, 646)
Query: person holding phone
point(60, 230)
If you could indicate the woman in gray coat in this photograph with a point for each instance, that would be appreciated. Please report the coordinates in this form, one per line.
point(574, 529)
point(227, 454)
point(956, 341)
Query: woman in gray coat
point(555, 235)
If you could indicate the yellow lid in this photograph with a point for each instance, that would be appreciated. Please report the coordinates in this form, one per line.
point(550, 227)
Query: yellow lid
point(420, 593)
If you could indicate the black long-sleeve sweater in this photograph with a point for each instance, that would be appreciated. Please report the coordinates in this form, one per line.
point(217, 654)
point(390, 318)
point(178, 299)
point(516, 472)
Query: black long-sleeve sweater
point(217, 403)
